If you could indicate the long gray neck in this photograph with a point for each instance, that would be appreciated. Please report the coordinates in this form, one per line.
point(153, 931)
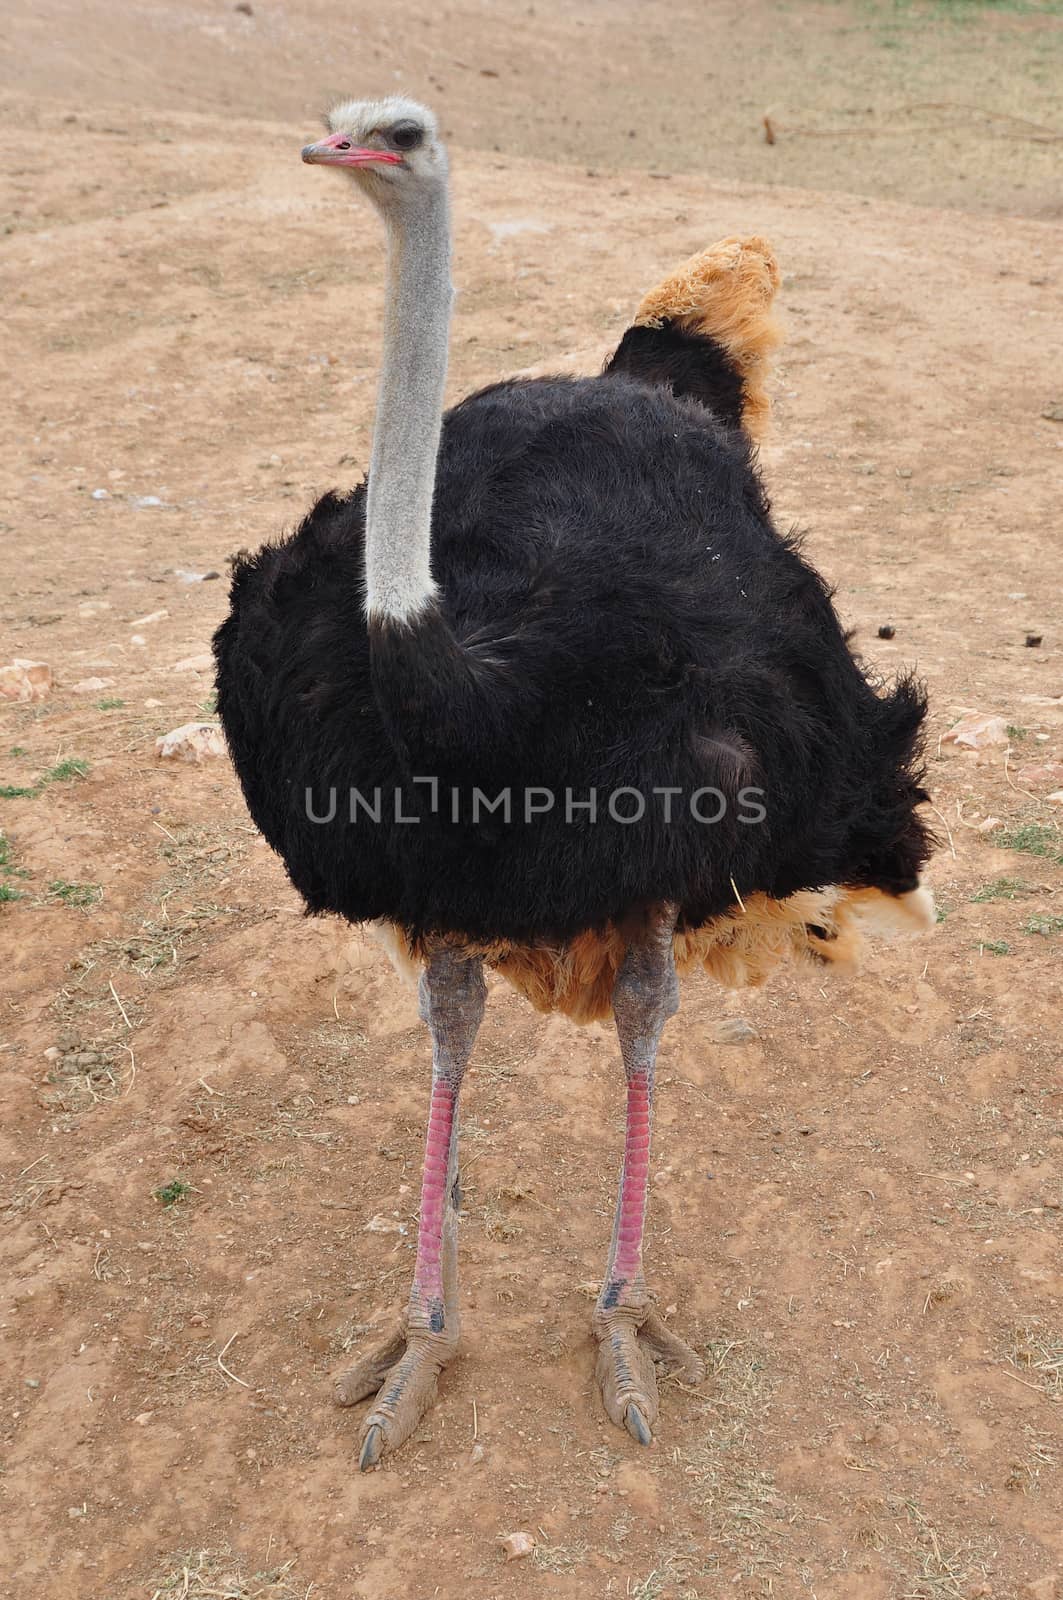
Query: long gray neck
point(409, 412)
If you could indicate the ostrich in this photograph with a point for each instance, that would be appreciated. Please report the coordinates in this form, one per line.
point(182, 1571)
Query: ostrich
point(590, 718)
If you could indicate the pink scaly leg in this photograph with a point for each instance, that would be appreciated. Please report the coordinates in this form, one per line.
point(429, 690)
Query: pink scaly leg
point(630, 1334)
point(402, 1371)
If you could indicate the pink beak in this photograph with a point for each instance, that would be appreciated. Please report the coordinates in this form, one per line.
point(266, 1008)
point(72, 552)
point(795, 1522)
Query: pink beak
point(338, 151)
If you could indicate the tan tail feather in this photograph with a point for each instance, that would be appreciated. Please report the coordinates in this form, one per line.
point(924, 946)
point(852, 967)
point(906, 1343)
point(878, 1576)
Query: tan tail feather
point(726, 292)
point(740, 949)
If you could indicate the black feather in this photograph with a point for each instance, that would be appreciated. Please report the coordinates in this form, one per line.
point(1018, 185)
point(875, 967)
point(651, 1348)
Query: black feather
point(617, 612)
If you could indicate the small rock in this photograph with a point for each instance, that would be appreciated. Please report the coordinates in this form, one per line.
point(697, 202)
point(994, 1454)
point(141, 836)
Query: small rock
point(887, 631)
point(93, 685)
point(144, 502)
point(33, 1383)
point(25, 680)
point(138, 640)
point(988, 824)
point(476, 1454)
point(1034, 641)
point(187, 576)
point(100, 494)
point(143, 1418)
point(152, 616)
point(1055, 799)
point(734, 1030)
point(195, 741)
point(975, 732)
point(202, 663)
point(516, 1546)
point(382, 1224)
point(245, 7)
point(150, 705)
point(53, 1053)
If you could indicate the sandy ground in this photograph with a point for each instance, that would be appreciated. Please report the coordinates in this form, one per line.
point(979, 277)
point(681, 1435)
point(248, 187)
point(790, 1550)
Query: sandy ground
point(856, 1214)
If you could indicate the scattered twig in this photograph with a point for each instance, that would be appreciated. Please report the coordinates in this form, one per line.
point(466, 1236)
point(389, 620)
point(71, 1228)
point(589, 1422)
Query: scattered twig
point(948, 830)
point(738, 897)
point(241, 1381)
point(1015, 786)
point(119, 1004)
point(1033, 1387)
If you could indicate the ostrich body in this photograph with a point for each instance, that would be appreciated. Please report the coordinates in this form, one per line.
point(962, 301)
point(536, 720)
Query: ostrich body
point(568, 592)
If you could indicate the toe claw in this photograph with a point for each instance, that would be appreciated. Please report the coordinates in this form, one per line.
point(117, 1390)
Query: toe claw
point(372, 1448)
point(637, 1426)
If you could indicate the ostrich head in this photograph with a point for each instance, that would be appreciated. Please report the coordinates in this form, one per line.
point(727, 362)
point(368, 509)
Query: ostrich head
point(391, 147)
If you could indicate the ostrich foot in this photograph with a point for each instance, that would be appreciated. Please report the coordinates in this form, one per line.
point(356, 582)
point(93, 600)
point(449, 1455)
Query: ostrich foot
point(631, 1339)
point(401, 1371)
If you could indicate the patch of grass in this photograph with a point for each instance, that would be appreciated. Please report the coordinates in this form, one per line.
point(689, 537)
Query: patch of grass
point(1036, 1352)
point(939, 1571)
point(75, 894)
point(1046, 926)
point(208, 1574)
point(996, 947)
point(113, 704)
point(209, 706)
point(1034, 839)
point(1002, 889)
point(1016, 733)
point(742, 1508)
point(18, 750)
point(968, 10)
point(559, 1557)
point(64, 772)
point(8, 892)
point(168, 1194)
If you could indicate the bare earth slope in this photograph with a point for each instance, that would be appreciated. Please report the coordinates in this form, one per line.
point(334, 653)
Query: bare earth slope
point(856, 1214)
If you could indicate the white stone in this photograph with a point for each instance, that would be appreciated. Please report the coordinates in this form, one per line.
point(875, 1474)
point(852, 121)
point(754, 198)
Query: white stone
point(25, 680)
point(195, 741)
point(93, 685)
point(975, 732)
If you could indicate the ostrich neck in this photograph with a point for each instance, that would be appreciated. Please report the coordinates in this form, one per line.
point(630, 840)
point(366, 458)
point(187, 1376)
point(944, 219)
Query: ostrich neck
point(409, 413)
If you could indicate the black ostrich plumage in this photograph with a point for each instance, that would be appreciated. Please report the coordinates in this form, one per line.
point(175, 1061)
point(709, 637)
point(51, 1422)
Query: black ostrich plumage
point(617, 613)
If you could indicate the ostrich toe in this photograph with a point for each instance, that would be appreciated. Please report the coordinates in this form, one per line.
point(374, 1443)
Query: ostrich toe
point(630, 1343)
point(401, 1372)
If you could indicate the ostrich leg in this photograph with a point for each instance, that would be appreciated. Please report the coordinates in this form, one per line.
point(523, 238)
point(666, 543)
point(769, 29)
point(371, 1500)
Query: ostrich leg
point(631, 1336)
point(402, 1371)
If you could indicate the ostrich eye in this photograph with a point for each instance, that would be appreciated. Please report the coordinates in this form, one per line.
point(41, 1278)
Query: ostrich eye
point(406, 135)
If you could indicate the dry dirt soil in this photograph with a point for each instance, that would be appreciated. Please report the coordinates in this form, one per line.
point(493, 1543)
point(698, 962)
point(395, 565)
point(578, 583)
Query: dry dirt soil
point(856, 1214)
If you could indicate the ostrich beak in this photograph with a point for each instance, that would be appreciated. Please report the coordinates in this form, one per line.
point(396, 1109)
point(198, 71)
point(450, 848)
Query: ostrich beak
point(338, 151)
